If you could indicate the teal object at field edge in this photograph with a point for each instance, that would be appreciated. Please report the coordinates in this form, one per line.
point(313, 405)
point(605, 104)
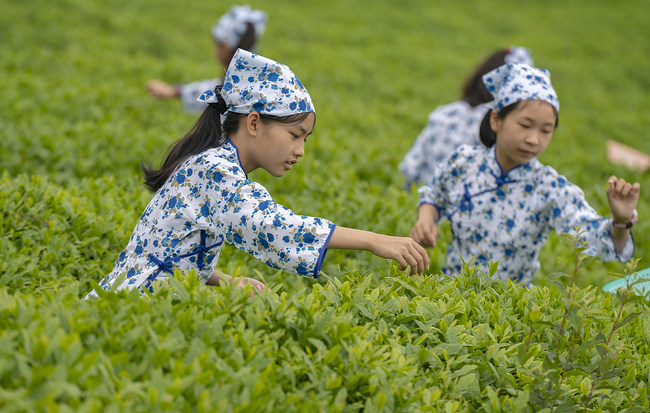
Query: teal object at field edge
point(641, 288)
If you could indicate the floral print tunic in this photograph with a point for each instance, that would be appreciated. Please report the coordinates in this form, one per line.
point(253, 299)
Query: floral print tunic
point(206, 201)
point(448, 127)
point(507, 217)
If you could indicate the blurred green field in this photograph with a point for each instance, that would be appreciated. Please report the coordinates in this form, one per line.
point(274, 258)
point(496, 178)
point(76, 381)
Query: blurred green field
point(76, 120)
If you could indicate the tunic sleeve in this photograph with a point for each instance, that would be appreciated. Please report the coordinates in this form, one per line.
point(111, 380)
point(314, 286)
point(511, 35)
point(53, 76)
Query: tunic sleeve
point(191, 91)
point(568, 210)
point(437, 192)
point(433, 145)
point(273, 233)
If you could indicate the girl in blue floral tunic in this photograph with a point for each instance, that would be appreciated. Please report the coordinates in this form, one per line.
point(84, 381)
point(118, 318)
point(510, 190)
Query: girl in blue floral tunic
point(261, 118)
point(456, 123)
point(502, 202)
point(239, 28)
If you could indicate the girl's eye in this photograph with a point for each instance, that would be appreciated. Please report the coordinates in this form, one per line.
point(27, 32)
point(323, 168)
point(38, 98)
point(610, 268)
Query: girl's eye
point(295, 136)
point(524, 126)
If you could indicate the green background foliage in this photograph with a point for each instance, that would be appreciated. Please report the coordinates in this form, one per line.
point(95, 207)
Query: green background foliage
point(76, 121)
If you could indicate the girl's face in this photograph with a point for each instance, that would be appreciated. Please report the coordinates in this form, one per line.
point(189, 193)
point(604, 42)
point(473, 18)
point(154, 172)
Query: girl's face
point(278, 146)
point(524, 133)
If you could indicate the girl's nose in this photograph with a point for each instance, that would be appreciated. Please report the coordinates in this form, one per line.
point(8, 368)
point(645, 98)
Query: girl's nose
point(533, 138)
point(299, 151)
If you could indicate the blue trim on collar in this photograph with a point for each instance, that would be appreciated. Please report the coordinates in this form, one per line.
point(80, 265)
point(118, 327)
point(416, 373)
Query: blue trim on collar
point(238, 157)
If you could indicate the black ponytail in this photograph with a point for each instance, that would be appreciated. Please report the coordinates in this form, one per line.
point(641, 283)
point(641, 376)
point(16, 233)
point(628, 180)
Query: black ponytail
point(206, 133)
point(487, 135)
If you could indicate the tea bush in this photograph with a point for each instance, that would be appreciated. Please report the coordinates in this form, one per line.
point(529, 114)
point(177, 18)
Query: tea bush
point(350, 344)
point(76, 122)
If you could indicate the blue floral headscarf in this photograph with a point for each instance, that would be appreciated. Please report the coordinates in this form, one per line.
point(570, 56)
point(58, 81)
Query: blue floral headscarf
point(231, 27)
point(514, 82)
point(254, 83)
point(518, 54)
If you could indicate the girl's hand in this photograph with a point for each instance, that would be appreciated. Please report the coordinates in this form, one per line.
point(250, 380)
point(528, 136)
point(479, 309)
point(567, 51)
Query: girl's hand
point(425, 231)
point(403, 250)
point(623, 197)
point(220, 278)
point(256, 285)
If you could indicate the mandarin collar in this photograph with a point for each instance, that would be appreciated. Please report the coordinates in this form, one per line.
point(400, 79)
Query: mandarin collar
point(231, 153)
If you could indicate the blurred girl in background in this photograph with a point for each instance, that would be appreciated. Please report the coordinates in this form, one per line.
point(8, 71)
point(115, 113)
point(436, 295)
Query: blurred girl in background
point(457, 123)
point(239, 28)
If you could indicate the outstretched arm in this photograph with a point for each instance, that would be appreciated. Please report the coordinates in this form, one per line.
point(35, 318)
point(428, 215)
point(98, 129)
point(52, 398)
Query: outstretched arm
point(623, 197)
point(160, 89)
point(401, 249)
point(425, 230)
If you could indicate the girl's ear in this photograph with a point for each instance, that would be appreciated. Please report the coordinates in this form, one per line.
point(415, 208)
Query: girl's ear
point(253, 123)
point(495, 121)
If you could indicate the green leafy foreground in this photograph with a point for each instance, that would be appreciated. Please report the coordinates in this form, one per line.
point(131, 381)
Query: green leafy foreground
point(350, 344)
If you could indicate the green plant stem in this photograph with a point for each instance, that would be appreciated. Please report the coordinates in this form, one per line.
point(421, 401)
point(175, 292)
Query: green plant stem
point(576, 267)
point(598, 375)
point(566, 365)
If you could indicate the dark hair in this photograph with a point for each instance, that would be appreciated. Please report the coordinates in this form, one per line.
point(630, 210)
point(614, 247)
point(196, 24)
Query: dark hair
point(247, 41)
point(488, 136)
point(474, 91)
point(206, 133)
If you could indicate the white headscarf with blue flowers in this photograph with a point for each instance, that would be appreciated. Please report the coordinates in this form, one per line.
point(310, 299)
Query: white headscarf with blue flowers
point(514, 82)
point(518, 54)
point(254, 83)
point(231, 27)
